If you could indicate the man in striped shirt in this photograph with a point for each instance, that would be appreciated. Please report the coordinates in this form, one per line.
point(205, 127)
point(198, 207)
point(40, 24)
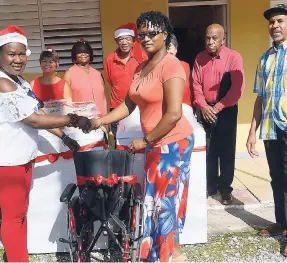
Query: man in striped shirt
point(270, 112)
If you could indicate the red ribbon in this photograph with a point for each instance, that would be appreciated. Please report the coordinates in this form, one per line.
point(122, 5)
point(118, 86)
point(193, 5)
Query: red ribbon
point(195, 149)
point(53, 157)
point(110, 181)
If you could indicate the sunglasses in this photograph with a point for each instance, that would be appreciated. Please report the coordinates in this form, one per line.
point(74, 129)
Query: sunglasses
point(150, 35)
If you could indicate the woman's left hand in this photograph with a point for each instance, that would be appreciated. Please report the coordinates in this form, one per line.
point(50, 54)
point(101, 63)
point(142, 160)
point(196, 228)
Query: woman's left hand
point(136, 145)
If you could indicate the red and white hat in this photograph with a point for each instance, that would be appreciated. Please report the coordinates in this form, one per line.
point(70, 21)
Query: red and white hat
point(125, 30)
point(130, 29)
point(13, 34)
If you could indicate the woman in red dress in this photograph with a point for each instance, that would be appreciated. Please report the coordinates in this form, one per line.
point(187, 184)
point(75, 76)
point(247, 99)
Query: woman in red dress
point(50, 86)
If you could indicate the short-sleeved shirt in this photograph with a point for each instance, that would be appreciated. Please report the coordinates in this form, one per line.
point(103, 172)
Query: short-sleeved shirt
point(271, 85)
point(119, 76)
point(18, 142)
point(148, 93)
point(88, 87)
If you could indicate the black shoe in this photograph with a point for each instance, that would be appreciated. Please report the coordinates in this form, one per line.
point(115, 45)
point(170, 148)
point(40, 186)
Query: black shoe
point(226, 198)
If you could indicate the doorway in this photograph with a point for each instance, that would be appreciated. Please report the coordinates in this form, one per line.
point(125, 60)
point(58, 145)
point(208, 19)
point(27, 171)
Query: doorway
point(190, 21)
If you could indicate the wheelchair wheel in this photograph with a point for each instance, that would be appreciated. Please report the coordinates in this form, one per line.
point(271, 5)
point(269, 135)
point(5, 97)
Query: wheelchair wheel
point(138, 225)
point(131, 243)
point(80, 232)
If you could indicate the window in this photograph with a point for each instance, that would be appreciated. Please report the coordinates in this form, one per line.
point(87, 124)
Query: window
point(55, 23)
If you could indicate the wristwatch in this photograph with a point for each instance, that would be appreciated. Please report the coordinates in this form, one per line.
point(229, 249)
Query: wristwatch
point(147, 141)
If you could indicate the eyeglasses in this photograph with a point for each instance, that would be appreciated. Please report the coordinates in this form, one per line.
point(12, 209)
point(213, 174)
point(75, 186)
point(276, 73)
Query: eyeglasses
point(150, 35)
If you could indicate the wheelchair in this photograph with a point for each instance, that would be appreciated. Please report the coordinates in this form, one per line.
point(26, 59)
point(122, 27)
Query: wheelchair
point(110, 194)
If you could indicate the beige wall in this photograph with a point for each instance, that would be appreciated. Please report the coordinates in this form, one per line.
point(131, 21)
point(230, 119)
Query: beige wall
point(249, 36)
point(117, 12)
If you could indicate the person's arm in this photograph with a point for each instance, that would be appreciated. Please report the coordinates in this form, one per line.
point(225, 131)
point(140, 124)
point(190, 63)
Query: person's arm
point(257, 112)
point(257, 115)
point(105, 99)
point(39, 121)
point(119, 113)
point(70, 143)
point(36, 121)
point(56, 131)
point(107, 71)
point(237, 85)
point(199, 99)
point(208, 112)
point(67, 77)
point(67, 91)
point(256, 120)
point(173, 94)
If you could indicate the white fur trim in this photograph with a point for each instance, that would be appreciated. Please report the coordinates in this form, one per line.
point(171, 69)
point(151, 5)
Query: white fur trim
point(28, 52)
point(124, 32)
point(13, 37)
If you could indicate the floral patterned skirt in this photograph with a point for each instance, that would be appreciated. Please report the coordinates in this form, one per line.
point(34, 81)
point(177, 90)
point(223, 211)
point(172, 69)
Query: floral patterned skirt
point(166, 191)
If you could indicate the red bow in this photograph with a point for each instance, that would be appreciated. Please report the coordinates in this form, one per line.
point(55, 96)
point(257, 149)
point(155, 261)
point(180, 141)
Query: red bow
point(110, 181)
point(53, 157)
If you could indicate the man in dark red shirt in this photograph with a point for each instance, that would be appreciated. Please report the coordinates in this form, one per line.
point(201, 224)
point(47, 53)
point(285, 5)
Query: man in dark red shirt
point(119, 66)
point(218, 83)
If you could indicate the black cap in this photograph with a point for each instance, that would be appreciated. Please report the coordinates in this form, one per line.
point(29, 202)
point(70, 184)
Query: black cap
point(280, 8)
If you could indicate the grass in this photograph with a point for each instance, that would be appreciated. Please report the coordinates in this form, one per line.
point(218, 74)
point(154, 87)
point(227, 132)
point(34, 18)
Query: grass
point(229, 247)
point(241, 246)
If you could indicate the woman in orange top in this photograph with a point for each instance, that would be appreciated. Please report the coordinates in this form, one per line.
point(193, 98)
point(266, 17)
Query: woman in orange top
point(188, 94)
point(157, 89)
point(86, 83)
point(50, 86)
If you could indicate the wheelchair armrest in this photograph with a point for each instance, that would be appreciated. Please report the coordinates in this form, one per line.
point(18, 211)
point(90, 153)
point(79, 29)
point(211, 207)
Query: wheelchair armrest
point(138, 192)
point(68, 193)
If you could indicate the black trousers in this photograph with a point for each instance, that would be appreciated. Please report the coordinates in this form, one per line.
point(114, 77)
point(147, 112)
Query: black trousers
point(276, 153)
point(220, 153)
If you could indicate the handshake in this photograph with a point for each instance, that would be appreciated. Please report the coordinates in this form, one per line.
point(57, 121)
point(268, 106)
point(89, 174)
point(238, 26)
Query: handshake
point(80, 122)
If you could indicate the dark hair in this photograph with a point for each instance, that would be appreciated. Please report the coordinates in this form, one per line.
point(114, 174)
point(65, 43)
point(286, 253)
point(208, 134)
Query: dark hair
point(49, 54)
point(82, 46)
point(173, 41)
point(157, 19)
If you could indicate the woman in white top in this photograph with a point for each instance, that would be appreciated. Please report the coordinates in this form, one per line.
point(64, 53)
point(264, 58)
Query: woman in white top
point(20, 117)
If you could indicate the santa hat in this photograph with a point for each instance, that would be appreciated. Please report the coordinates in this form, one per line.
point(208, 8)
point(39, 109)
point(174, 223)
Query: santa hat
point(14, 34)
point(130, 29)
point(125, 30)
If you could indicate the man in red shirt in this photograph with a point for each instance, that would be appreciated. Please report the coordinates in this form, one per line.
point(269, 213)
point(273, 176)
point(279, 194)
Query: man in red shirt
point(218, 83)
point(119, 66)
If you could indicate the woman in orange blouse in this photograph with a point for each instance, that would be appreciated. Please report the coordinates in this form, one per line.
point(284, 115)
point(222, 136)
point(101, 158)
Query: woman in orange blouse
point(86, 83)
point(50, 86)
point(157, 89)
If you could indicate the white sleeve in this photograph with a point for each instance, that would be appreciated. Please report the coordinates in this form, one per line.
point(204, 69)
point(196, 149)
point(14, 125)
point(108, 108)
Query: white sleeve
point(16, 106)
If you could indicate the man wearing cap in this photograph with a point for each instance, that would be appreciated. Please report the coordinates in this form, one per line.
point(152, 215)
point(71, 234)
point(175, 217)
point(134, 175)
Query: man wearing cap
point(270, 112)
point(119, 66)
